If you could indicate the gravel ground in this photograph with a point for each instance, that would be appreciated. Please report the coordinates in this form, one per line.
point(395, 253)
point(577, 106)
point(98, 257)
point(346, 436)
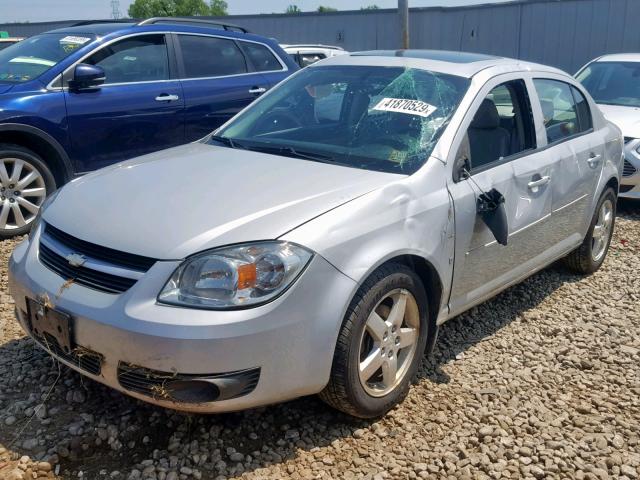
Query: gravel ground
point(541, 382)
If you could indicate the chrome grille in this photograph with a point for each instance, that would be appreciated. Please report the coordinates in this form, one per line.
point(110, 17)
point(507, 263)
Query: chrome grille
point(628, 169)
point(105, 269)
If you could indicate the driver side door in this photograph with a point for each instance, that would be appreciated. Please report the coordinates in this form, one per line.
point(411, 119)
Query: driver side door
point(498, 137)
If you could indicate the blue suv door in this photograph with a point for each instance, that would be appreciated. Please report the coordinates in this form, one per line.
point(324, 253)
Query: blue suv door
point(217, 81)
point(138, 110)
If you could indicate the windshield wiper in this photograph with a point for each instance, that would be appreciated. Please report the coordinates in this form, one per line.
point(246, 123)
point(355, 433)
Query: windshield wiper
point(291, 152)
point(227, 141)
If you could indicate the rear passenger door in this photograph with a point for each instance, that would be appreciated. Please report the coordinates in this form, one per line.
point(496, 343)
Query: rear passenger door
point(264, 60)
point(579, 150)
point(217, 81)
point(499, 140)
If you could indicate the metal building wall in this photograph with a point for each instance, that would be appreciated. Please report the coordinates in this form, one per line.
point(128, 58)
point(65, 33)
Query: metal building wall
point(563, 33)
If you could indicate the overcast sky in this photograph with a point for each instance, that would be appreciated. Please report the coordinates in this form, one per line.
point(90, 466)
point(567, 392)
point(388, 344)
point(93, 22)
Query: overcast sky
point(44, 10)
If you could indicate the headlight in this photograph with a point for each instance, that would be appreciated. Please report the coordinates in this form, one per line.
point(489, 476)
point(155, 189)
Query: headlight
point(238, 276)
point(36, 221)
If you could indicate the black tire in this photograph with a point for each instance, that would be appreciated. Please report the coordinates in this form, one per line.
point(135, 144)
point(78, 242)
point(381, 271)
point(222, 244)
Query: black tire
point(345, 391)
point(582, 260)
point(10, 228)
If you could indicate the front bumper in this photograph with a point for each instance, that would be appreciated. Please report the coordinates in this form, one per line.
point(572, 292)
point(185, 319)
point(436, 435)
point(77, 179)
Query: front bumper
point(289, 341)
point(630, 180)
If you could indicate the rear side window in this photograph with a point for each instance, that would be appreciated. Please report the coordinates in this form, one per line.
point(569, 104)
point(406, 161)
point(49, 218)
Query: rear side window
point(142, 58)
point(261, 57)
point(559, 109)
point(584, 113)
point(210, 56)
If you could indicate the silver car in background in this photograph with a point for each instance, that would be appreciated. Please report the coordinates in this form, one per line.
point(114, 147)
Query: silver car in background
point(614, 83)
point(316, 242)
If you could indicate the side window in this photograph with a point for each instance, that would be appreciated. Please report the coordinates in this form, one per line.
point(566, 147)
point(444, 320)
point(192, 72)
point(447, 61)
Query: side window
point(137, 59)
point(502, 126)
point(558, 109)
point(210, 56)
point(329, 99)
point(585, 120)
point(307, 59)
point(261, 57)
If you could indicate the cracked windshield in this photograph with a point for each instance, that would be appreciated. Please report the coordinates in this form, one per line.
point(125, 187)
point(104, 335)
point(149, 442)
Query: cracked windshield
point(376, 118)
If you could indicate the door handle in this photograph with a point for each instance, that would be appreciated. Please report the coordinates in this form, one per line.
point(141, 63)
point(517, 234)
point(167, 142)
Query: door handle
point(167, 98)
point(594, 159)
point(257, 90)
point(540, 182)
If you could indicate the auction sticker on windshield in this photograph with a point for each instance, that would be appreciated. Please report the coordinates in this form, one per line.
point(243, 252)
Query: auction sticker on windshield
point(400, 105)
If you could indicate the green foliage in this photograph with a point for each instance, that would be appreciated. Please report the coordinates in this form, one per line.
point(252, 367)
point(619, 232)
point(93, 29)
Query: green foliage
point(176, 8)
point(293, 9)
point(370, 7)
point(218, 8)
point(322, 9)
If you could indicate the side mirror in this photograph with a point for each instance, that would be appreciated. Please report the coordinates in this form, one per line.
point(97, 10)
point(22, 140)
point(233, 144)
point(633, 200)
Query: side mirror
point(461, 168)
point(87, 77)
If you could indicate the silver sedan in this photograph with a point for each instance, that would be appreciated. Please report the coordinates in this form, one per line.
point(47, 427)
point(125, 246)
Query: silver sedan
point(316, 242)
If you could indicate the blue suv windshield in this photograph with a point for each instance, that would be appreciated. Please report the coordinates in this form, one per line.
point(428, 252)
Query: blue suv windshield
point(376, 118)
point(32, 57)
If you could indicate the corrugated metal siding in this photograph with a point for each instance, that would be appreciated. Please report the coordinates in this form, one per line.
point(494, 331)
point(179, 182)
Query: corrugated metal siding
point(562, 33)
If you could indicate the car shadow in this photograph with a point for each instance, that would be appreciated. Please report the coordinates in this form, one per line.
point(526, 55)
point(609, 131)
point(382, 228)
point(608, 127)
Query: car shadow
point(270, 435)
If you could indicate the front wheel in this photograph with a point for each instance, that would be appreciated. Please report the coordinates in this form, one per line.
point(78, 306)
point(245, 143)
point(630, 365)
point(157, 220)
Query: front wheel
point(25, 182)
point(589, 256)
point(380, 344)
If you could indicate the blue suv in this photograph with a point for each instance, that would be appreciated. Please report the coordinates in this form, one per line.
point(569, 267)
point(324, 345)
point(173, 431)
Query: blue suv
point(83, 97)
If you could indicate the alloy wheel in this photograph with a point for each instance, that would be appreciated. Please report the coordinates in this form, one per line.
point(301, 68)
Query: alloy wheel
point(602, 231)
point(388, 342)
point(22, 192)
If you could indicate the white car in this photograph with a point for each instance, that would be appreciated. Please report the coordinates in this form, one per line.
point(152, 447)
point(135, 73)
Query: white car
point(614, 83)
point(305, 55)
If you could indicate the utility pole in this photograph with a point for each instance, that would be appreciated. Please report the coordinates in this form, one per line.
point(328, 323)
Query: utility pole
point(115, 9)
point(403, 15)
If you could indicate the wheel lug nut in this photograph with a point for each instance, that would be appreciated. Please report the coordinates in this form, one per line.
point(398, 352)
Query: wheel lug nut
point(393, 329)
point(397, 340)
point(390, 354)
point(11, 185)
point(16, 193)
point(3, 197)
point(11, 200)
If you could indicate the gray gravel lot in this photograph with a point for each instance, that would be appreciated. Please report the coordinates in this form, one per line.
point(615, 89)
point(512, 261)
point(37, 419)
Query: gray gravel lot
point(541, 382)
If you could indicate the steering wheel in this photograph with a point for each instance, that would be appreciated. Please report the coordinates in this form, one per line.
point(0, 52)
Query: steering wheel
point(281, 119)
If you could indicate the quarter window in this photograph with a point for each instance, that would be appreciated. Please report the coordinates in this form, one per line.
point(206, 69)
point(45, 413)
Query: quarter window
point(559, 109)
point(138, 59)
point(261, 57)
point(502, 126)
point(584, 113)
point(210, 56)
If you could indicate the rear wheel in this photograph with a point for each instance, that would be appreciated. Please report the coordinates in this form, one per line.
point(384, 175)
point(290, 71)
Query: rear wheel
point(25, 182)
point(589, 256)
point(380, 344)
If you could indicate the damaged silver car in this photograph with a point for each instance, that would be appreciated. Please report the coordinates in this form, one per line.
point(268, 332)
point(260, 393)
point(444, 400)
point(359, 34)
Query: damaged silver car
point(315, 243)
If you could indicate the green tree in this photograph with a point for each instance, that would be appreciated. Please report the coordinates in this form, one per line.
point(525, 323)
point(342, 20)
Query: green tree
point(218, 8)
point(322, 9)
point(370, 7)
point(293, 9)
point(176, 8)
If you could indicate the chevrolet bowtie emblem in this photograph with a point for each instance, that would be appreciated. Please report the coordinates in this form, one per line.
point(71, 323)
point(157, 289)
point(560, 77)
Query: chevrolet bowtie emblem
point(75, 259)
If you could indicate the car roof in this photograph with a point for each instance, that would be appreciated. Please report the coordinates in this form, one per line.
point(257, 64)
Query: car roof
point(105, 28)
point(619, 57)
point(94, 28)
point(464, 64)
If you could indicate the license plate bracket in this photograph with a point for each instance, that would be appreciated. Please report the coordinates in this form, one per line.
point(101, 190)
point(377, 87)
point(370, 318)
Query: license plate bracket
point(46, 320)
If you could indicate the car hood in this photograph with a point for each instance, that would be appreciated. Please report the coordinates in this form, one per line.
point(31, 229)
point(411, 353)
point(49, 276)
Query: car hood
point(626, 118)
point(176, 202)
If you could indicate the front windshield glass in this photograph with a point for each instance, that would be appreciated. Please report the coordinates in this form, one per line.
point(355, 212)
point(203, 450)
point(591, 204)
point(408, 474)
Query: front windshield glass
point(613, 83)
point(376, 118)
point(32, 57)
